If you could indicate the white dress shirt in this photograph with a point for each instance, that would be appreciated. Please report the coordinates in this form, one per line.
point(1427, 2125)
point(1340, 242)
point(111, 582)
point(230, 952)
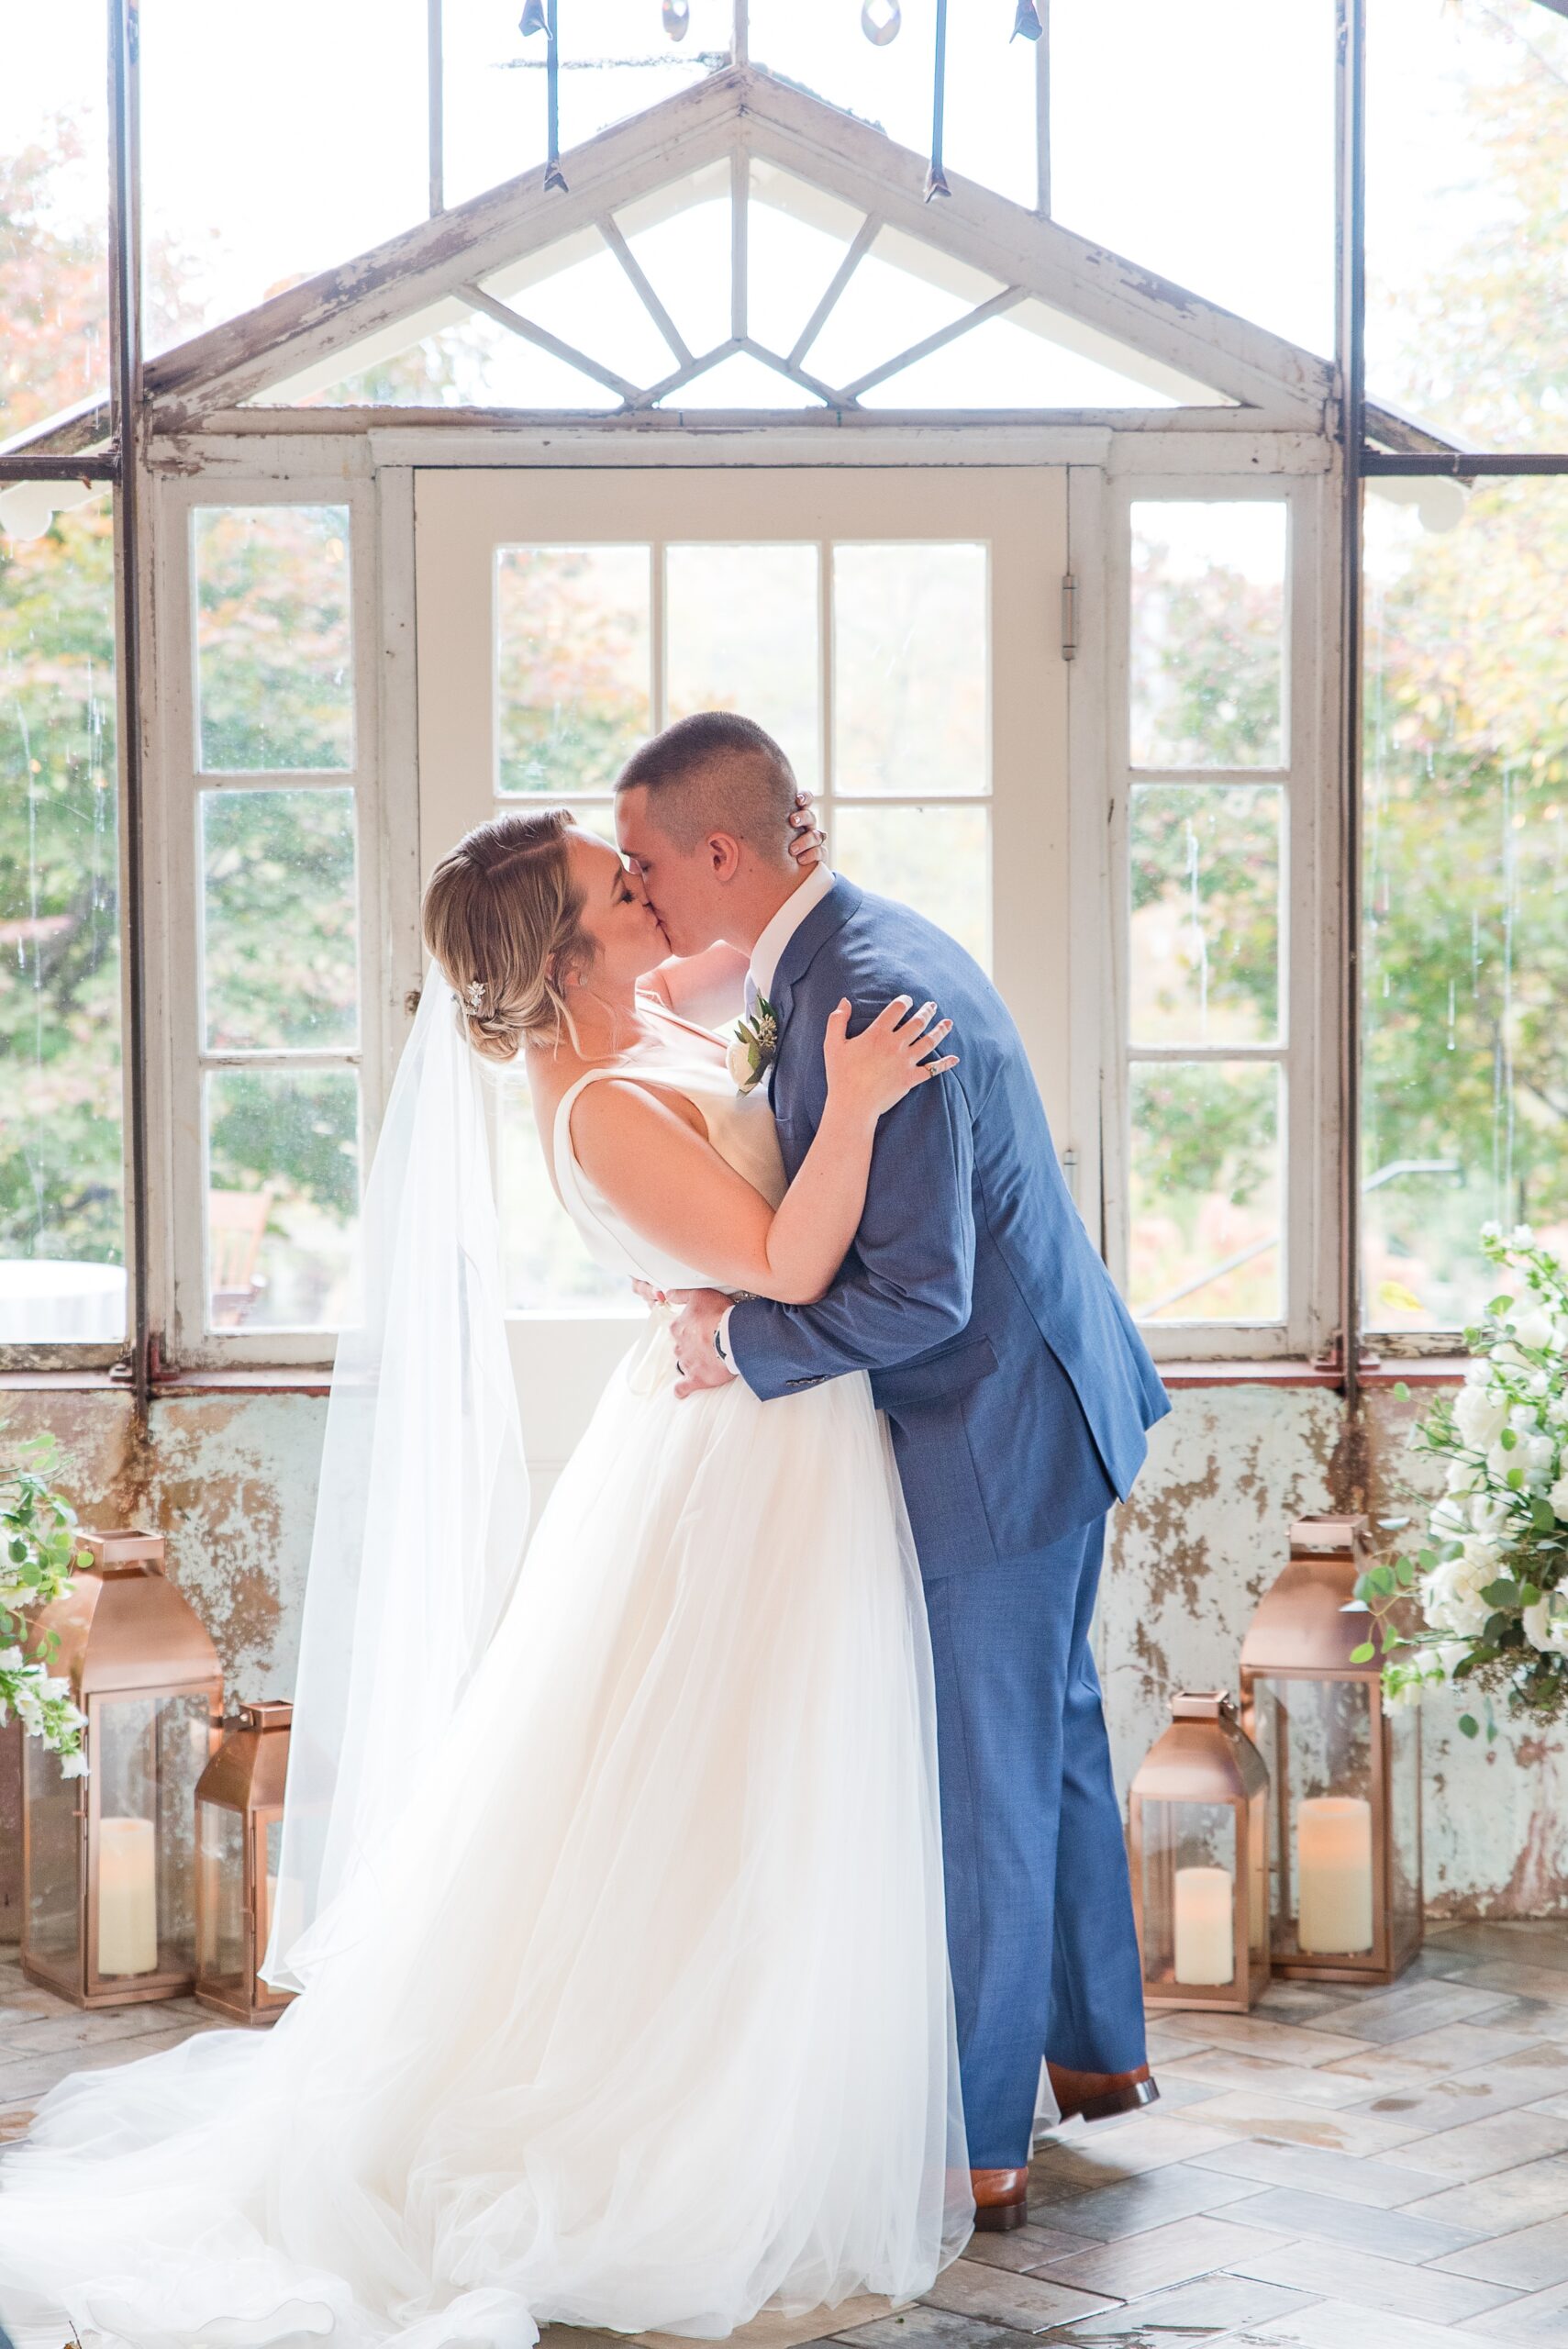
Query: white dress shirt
point(766, 956)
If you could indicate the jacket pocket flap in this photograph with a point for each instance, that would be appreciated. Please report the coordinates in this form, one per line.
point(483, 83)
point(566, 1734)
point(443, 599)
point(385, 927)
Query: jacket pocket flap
point(943, 1373)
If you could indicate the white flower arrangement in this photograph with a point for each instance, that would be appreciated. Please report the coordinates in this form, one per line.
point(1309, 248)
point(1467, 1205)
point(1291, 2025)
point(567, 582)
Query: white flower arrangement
point(1492, 1581)
point(754, 1047)
point(38, 1552)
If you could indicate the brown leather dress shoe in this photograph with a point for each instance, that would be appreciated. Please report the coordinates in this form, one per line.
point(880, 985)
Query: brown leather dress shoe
point(1001, 2199)
point(1100, 2096)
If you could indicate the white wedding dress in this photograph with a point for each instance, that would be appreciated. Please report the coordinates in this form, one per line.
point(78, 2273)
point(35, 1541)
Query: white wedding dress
point(642, 2018)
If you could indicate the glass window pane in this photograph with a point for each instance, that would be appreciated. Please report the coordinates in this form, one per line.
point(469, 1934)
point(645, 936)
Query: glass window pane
point(740, 381)
point(224, 101)
point(616, 60)
point(280, 924)
point(1208, 1198)
point(911, 669)
point(450, 356)
point(572, 666)
point(990, 129)
point(741, 633)
point(544, 1262)
point(937, 859)
point(1207, 676)
point(61, 1230)
point(679, 237)
point(796, 237)
point(582, 294)
point(1465, 1002)
point(284, 1157)
point(274, 655)
point(1467, 231)
point(1035, 357)
point(1206, 912)
point(902, 291)
point(54, 145)
point(1160, 115)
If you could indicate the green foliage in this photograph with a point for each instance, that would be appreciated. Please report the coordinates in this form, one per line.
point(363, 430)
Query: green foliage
point(38, 1554)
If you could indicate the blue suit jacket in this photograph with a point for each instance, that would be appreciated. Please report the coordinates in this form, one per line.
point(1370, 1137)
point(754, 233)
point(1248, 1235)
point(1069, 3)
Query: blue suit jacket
point(1017, 1387)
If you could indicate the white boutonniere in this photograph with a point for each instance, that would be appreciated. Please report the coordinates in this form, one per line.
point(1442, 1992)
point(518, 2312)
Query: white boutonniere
point(754, 1047)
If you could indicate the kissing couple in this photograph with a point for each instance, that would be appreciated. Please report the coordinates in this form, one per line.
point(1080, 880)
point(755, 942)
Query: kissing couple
point(700, 1918)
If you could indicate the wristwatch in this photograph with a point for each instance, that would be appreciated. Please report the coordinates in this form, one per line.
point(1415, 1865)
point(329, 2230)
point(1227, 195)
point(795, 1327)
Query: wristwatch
point(718, 1346)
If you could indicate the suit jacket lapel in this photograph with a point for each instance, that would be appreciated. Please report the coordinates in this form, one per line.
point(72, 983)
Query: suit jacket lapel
point(821, 923)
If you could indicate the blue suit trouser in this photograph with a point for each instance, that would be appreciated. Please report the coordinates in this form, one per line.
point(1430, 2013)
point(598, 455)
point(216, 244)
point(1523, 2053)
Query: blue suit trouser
point(1040, 1936)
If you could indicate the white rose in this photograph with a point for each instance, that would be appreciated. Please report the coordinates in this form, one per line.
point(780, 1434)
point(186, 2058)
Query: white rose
point(1532, 1327)
point(1500, 1459)
point(1465, 1477)
point(1558, 1497)
point(1479, 1419)
point(1546, 1624)
point(73, 1765)
point(1538, 1457)
point(1452, 1600)
point(738, 1061)
point(1525, 1419)
point(12, 1660)
point(1448, 1522)
point(1557, 1411)
point(1490, 1228)
point(1489, 1517)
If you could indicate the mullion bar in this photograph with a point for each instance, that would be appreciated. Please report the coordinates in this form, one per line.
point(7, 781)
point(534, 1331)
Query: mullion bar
point(860, 245)
point(655, 308)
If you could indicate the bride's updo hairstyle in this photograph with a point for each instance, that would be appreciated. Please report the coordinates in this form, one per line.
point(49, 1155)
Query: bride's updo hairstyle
point(503, 917)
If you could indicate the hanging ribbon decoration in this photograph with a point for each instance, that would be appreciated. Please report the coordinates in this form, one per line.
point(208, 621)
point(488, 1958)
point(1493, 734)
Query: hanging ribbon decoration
point(935, 178)
point(539, 16)
point(1027, 21)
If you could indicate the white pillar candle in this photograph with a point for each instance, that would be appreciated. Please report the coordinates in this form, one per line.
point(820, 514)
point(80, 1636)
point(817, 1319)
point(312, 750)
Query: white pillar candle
point(1333, 1860)
point(128, 1897)
point(1205, 1932)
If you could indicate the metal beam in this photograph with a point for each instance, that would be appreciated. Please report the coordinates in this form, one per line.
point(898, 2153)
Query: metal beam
point(124, 377)
point(1350, 340)
point(1460, 464)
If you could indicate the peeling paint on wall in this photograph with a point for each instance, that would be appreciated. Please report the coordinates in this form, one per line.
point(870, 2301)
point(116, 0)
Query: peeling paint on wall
point(231, 1479)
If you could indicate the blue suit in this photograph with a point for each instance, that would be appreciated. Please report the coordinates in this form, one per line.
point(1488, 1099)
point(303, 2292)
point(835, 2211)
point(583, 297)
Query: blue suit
point(1019, 1394)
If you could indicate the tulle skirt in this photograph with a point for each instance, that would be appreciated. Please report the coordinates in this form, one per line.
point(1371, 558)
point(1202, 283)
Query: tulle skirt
point(642, 2020)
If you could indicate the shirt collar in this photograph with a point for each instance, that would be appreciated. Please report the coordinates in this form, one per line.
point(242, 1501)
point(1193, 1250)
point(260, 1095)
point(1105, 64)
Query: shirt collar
point(770, 947)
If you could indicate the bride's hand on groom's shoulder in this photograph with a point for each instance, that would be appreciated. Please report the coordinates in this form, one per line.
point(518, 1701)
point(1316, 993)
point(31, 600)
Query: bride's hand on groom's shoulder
point(805, 837)
point(869, 1074)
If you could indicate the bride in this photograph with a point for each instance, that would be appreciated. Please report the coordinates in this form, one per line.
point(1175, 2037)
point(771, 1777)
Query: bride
point(618, 1928)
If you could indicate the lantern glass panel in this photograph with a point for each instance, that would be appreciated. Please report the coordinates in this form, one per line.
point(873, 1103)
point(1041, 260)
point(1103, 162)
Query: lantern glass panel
point(148, 1752)
point(220, 1858)
point(1189, 1892)
point(1258, 1877)
point(54, 1906)
point(1317, 1738)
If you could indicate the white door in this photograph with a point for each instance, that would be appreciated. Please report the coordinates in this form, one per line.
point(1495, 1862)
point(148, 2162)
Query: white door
point(895, 629)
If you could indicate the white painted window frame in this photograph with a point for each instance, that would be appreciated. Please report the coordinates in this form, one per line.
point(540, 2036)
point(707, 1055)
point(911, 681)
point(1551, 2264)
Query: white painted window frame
point(177, 1251)
point(1293, 470)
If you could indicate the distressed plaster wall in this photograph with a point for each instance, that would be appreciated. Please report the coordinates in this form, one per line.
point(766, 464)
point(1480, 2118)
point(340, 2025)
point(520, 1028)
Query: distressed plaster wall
point(231, 1480)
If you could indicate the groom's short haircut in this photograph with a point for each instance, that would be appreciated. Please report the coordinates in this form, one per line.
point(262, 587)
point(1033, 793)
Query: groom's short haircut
point(715, 772)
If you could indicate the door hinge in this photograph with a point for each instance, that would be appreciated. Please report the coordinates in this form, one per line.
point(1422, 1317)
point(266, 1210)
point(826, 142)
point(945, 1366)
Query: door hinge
point(1069, 617)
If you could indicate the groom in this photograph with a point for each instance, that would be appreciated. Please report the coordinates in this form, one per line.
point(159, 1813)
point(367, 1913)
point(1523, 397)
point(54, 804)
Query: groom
point(1019, 1394)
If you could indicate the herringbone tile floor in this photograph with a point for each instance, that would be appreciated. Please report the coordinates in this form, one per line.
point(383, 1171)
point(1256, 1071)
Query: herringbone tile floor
point(1339, 2169)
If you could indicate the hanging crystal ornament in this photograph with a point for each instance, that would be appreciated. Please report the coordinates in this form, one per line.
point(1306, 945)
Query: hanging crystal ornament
point(935, 178)
point(1026, 22)
point(677, 16)
point(533, 19)
point(881, 21)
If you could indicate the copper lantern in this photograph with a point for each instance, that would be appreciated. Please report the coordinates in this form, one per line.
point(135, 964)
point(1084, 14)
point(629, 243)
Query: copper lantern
point(239, 1819)
point(108, 1860)
point(1198, 1832)
point(1346, 1892)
